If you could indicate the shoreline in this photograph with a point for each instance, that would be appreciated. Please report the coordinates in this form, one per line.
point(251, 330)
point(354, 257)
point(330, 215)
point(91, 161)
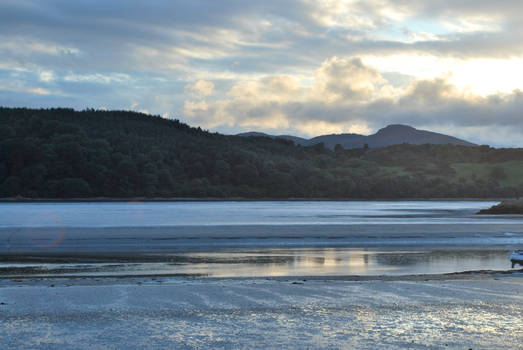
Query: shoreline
point(238, 199)
point(474, 275)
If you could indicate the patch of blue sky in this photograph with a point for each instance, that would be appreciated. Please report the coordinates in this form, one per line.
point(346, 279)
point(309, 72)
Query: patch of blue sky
point(402, 31)
point(8, 73)
point(21, 80)
point(427, 26)
point(32, 100)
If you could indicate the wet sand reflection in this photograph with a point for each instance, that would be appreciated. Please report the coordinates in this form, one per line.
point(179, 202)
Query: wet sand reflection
point(272, 262)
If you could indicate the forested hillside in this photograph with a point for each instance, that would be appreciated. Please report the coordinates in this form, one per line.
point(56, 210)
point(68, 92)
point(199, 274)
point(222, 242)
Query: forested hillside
point(62, 153)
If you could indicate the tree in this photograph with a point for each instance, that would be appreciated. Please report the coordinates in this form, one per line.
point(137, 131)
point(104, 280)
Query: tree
point(73, 187)
point(11, 186)
point(498, 173)
point(63, 153)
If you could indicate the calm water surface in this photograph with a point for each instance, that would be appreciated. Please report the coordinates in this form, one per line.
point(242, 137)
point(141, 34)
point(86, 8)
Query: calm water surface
point(154, 214)
point(254, 238)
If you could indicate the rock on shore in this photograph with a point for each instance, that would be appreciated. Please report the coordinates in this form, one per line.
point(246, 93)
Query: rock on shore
point(505, 207)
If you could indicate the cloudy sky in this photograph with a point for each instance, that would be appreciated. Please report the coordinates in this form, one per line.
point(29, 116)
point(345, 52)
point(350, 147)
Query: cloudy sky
point(303, 67)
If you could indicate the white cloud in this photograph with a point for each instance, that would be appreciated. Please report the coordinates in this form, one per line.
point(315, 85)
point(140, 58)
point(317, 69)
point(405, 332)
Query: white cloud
point(470, 24)
point(481, 76)
point(22, 46)
point(280, 101)
point(360, 15)
point(346, 80)
point(200, 88)
point(191, 108)
point(39, 91)
point(47, 76)
point(98, 78)
point(349, 96)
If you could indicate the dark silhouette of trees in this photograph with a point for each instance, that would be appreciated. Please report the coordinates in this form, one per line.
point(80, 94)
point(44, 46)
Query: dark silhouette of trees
point(62, 153)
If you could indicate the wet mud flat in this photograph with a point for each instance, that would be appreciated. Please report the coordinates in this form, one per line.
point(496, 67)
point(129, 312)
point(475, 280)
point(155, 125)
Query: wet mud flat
point(263, 262)
point(478, 310)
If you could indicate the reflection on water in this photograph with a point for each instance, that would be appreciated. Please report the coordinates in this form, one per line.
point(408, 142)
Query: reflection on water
point(283, 262)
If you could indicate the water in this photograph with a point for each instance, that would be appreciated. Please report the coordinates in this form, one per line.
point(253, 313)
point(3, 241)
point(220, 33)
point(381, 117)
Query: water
point(224, 239)
point(278, 262)
point(155, 214)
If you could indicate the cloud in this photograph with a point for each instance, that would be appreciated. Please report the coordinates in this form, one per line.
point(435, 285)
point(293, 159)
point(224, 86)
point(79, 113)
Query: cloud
point(307, 67)
point(279, 101)
point(171, 36)
point(97, 78)
point(39, 91)
point(349, 96)
point(47, 76)
point(200, 88)
point(346, 79)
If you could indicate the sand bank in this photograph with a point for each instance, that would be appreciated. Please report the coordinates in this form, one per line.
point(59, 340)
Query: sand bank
point(483, 312)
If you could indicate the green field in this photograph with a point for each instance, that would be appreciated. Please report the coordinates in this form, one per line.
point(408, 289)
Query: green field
point(513, 172)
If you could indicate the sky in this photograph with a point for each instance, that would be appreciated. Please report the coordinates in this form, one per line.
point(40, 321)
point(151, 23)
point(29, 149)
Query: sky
point(301, 67)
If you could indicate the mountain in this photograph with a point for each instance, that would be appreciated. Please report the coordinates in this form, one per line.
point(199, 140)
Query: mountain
point(347, 141)
point(397, 133)
point(255, 134)
point(390, 135)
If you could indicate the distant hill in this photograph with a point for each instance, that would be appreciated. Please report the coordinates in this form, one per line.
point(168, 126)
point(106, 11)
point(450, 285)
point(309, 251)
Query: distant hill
point(391, 135)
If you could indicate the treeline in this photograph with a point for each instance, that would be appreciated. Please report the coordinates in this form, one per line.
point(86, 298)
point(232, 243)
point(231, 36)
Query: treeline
point(62, 153)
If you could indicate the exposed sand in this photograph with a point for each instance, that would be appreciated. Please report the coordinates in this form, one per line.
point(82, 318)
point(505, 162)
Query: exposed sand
point(478, 310)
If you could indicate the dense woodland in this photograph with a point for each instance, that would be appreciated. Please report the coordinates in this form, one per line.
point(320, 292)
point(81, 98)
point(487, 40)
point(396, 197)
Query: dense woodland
point(62, 153)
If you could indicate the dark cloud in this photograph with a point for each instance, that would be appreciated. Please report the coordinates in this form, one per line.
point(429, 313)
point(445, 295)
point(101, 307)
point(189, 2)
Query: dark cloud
point(108, 34)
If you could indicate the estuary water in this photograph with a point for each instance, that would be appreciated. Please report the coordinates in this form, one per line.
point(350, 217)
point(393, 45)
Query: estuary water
point(158, 214)
point(229, 239)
